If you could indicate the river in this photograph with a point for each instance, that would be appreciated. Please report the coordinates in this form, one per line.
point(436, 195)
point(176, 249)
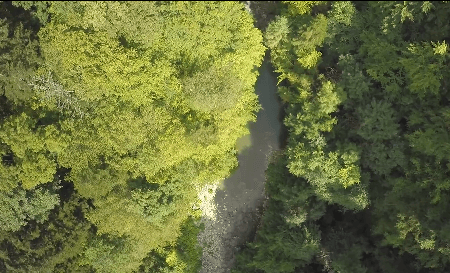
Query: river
point(238, 202)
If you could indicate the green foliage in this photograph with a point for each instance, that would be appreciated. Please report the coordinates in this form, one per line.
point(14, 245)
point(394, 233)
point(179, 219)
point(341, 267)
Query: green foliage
point(383, 63)
point(18, 61)
point(160, 203)
point(378, 121)
point(424, 66)
point(105, 180)
point(19, 207)
point(107, 254)
point(139, 103)
point(327, 170)
point(161, 112)
point(39, 9)
point(304, 7)
point(277, 32)
point(365, 88)
point(342, 19)
point(311, 35)
point(183, 256)
point(431, 138)
point(33, 164)
point(381, 159)
point(287, 238)
point(346, 251)
point(42, 246)
point(355, 85)
point(285, 249)
point(397, 12)
point(213, 90)
point(341, 13)
point(190, 252)
point(293, 42)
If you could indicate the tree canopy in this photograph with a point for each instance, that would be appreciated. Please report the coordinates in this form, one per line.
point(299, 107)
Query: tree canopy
point(365, 88)
point(113, 113)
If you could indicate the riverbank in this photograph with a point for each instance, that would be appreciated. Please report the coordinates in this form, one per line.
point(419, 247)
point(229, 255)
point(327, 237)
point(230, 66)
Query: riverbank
point(263, 12)
point(232, 212)
point(232, 219)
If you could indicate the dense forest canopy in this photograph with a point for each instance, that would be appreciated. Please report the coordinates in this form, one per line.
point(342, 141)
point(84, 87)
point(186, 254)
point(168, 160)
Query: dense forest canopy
point(112, 115)
point(363, 184)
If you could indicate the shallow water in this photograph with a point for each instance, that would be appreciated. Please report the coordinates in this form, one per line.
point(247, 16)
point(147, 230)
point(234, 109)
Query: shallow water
point(242, 193)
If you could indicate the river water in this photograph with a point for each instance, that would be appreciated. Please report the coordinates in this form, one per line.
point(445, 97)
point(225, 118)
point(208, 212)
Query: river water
point(239, 200)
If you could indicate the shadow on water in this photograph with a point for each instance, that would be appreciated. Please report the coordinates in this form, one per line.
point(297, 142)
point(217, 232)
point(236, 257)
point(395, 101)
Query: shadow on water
point(247, 182)
point(239, 202)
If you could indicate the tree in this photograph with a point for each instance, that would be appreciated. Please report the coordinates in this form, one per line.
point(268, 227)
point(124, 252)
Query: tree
point(33, 163)
point(114, 94)
point(39, 9)
point(424, 66)
point(365, 89)
point(18, 61)
point(47, 244)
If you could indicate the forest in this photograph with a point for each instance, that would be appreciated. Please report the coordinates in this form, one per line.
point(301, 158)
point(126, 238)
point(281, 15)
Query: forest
point(363, 183)
point(113, 114)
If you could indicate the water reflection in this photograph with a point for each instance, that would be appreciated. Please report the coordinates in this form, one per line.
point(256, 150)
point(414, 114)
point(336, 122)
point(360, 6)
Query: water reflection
point(246, 184)
point(242, 193)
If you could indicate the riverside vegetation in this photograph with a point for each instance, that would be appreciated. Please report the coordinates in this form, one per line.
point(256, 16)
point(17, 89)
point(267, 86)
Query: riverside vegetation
point(114, 114)
point(363, 183)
